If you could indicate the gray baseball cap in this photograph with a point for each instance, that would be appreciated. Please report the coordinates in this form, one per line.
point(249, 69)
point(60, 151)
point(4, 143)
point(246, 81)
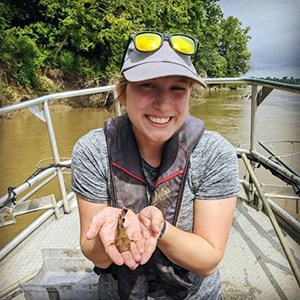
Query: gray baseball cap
point(139, 66)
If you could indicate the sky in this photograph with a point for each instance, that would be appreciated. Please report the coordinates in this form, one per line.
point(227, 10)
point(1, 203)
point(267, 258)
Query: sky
point(275, 32)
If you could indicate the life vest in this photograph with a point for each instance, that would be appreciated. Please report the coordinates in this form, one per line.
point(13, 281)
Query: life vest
point(129, 189)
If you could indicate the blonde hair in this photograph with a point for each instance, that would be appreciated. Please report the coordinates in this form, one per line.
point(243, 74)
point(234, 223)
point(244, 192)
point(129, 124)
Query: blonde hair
point(122, 82)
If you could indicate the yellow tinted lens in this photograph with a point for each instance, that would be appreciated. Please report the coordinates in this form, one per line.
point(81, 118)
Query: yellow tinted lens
point(183, 44)
point(147, 42)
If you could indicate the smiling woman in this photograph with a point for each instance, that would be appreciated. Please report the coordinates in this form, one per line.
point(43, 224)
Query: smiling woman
point(157, 108)
point(177, 181)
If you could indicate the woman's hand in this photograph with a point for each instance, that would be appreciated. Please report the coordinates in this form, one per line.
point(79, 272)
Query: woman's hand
point(104, 224)
point(152, 221)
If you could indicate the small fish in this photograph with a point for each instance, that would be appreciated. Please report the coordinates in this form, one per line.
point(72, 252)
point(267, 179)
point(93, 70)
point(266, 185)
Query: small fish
point(122, 240)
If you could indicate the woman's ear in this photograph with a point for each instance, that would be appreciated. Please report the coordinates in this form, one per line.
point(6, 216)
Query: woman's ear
point(121, 92)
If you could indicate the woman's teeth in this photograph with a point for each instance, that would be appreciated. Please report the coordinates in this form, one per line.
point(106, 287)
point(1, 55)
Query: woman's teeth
point(159, 120)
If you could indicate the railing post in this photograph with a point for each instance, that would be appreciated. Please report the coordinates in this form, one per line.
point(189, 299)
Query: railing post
point(56, 158)
point(253, 116)
point(254, 92)
point(273, 220)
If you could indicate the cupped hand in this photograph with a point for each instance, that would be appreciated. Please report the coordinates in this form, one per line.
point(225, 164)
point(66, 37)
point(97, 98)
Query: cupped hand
point(104, 224)
point(152, 221)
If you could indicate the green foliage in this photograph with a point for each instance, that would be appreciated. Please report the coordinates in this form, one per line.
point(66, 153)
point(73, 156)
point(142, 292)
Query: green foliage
point(285, 79)
point(234, 47)
point(85, 39)
point(21, 58)
point(68, 62)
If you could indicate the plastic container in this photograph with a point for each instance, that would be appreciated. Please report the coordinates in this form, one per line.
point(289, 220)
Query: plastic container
point(65, 275)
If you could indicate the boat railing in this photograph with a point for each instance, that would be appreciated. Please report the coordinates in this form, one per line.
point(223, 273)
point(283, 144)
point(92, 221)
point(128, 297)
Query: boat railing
point(9, 202)
point(260, 89)
point(40, 108)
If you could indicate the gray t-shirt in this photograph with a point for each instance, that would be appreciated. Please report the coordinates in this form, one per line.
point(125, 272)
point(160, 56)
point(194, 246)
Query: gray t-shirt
point(213, 175)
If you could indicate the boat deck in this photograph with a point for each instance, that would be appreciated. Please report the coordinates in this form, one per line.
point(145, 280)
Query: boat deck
point(254, 266)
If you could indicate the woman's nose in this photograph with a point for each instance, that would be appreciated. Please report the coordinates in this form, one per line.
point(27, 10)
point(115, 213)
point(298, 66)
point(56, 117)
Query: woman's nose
point(162, 100)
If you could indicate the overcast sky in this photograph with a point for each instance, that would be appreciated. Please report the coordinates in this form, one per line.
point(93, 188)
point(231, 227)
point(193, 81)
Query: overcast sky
point(275, 32)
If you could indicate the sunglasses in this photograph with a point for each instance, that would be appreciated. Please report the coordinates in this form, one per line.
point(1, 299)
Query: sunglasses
point(151, 41)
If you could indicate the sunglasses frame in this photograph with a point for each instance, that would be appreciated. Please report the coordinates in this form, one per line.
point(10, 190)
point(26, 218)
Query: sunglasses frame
point(164, 36)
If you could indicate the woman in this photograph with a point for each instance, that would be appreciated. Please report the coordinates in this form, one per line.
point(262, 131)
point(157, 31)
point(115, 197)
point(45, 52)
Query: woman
point(177, 182)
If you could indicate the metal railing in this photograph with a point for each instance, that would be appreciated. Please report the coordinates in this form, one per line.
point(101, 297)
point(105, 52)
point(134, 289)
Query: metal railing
point(45, 115)
point(260, 89)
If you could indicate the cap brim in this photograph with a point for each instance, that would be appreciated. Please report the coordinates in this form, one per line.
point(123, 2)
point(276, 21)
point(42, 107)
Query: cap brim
point(160, 69)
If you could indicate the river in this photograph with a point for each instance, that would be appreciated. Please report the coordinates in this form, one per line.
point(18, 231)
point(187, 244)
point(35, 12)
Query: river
point(24, 139)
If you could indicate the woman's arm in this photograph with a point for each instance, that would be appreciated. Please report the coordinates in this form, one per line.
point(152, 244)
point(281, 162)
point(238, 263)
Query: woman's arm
point(93, 249)
point(98, 226)
point(201, 251)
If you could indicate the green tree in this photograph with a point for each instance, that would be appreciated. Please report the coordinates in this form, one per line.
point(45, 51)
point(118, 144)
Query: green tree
point(233, 47)
point(20, 57)
point(85, 39)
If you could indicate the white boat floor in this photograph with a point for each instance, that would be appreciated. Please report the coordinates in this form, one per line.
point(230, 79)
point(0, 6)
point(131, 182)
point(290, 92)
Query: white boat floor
point(254, 265)
point(61, 233)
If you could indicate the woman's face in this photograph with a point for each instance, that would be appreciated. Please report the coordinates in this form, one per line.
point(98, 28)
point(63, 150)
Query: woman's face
point(157, 107)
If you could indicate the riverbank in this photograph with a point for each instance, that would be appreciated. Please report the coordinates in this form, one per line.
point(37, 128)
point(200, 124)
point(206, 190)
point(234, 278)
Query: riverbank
point(11, 93)
point(18, 95)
